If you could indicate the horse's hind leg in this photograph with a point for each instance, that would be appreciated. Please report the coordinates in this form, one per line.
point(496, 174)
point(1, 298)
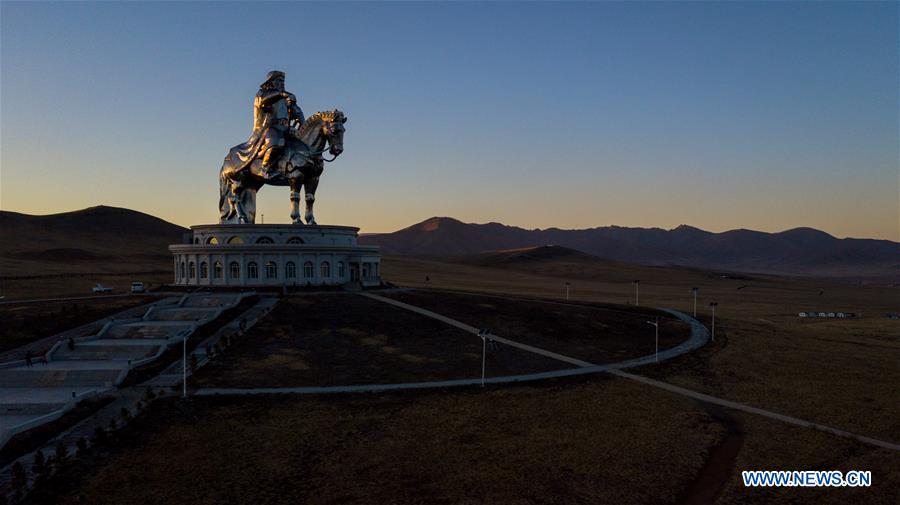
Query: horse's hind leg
point(247, 204)
point(295, 200)
point(310, 188)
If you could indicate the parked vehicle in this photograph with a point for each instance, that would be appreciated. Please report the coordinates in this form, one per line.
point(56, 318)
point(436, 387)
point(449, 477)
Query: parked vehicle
point(100, 288)
point(138, 287)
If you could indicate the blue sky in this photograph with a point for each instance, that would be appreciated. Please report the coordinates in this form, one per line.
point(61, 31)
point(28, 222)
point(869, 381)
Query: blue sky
point(720, 115)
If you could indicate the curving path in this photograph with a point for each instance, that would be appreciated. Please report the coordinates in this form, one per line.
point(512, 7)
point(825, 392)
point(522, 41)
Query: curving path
point(699, 337)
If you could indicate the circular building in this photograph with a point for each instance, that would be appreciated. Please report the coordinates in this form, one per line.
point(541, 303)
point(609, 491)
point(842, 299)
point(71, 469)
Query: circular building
point(274, 255)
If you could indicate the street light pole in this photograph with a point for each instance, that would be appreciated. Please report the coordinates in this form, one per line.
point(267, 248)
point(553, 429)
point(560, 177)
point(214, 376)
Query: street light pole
point(483, 334)
point(184, 368)
point(567, 291)
point(655, 324)
point(694, 290)
point(713, 305)
point(637, 292)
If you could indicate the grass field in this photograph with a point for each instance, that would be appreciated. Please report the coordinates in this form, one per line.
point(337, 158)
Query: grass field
point(838, 372)
point(342, 339)
point(591, 440)
point(39, 284)
point(595, 333)
point(563, 443)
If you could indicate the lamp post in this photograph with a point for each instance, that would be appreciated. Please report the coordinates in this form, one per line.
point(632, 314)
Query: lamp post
point(483, 333)
point(637, 298)
point(655, 324)
point(694, 290)
point(184, 368)
point(713, 305)
point(567, 291)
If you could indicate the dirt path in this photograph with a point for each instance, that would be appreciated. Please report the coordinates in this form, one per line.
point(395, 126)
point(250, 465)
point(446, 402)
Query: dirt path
point(719, 466)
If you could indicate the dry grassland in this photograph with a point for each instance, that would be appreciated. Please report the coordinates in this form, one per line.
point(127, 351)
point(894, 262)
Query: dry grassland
point(344, 339)
point(567, 443)
point(843, 373)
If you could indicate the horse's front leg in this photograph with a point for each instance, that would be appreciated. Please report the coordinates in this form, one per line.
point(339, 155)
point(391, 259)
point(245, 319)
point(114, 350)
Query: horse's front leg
point(296, 182)
point(227, 197)
point(236, 201)
point(310, 188)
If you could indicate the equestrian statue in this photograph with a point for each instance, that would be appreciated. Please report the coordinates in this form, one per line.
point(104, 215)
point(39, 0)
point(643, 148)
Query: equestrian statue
point(285, 149)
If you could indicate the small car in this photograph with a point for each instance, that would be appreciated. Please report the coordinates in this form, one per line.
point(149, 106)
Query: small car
point(138, 287)
point(100, 288)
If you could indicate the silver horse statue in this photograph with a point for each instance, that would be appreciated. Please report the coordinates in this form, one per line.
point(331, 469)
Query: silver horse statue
point(300, 165)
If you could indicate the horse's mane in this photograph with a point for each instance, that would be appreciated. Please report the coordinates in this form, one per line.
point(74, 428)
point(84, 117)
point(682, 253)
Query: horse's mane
point(318, 118)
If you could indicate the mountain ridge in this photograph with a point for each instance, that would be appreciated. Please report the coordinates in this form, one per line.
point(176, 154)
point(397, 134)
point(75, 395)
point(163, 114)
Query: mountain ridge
point(112, 235)
point(796, 251)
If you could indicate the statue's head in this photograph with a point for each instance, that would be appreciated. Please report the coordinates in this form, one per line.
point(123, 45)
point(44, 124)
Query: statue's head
point(274, 79)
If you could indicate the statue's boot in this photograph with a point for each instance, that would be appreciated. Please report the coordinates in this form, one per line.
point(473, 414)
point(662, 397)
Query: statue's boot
point(270, 163)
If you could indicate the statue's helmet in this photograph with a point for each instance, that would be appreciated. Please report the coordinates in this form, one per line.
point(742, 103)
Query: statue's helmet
point(271, 76)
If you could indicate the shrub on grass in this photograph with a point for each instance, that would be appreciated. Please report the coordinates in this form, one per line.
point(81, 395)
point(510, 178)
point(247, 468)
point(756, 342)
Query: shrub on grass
point(81, 446)
point(19, 481)
point(99, 435)
point(61, 454)
point(39, 466)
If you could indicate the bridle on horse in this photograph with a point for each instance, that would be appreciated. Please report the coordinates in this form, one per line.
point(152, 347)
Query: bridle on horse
point(319, 153)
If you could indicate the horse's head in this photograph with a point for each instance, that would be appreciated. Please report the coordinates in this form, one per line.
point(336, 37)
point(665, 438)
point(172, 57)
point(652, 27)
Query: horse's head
point(321, 128)
point(333, 130)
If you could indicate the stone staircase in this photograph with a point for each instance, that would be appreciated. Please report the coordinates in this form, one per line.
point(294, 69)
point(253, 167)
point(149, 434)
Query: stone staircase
point(110, 351)
point(83, 366)
point(36, 378)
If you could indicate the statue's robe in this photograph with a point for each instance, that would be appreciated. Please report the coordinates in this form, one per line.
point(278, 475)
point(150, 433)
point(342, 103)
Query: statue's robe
point(270, 122)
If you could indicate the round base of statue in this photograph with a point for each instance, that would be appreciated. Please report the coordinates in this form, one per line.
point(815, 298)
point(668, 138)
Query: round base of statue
point(274, 255)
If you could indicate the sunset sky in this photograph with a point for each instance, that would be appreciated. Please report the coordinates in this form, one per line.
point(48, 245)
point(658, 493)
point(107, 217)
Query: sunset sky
point(756, 115)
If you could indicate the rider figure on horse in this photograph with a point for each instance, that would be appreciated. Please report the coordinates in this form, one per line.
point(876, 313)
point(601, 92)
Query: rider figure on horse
point(274, 109)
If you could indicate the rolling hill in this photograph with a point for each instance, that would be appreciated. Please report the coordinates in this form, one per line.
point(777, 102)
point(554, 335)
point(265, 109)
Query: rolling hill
point(96, 239)
point(110, 239)
point(800, 251)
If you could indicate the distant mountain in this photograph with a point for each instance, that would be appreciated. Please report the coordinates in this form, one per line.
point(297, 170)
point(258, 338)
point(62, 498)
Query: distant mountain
point(525, 256)
point(99, 238)
point(566, 263)
point(800, 251)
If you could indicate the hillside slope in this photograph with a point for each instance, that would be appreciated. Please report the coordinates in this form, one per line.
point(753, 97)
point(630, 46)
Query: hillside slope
point(801, 251)
point(96, 239)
